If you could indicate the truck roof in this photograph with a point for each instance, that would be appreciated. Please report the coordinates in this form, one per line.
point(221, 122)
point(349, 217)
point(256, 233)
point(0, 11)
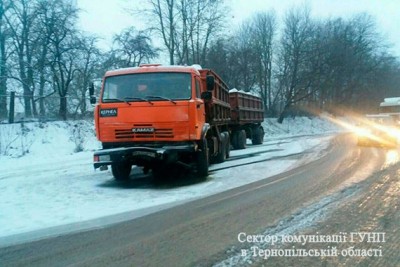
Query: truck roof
point(377, 116)
point(147, 68)
point(391, 101)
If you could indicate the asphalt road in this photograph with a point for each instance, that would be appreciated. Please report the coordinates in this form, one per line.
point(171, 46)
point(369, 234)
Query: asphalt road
point(199, 232)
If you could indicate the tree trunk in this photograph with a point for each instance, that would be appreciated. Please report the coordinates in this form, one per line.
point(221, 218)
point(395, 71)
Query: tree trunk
point(63, 108)
point(27, 102)
point(281, 117)
point(3, 81)
point(42, 109)
point(3, 70)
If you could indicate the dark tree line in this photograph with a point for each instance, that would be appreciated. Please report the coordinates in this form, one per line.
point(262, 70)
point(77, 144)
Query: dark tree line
point(316, 65)
point(49, 62)
point(293, 62)
point(43, 54)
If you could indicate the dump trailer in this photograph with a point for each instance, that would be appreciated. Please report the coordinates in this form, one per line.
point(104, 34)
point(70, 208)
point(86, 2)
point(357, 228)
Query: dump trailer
point(155, 116)
point(247, 113)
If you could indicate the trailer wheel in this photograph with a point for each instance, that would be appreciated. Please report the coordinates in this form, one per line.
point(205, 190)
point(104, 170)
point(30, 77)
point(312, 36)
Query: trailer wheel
point(202, 160)
point(121, 171)
point(234, 139)
point(258, 136)
point(241, 139)
point(227, 144)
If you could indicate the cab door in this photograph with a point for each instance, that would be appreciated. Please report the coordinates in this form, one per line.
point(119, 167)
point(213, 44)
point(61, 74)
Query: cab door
point(200, 109)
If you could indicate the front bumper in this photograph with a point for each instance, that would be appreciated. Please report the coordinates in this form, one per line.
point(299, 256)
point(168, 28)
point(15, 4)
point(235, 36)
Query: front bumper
point(106, 157)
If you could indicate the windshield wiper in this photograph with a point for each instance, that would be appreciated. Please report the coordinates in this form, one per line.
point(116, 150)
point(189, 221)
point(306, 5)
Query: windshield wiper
point(137, 98)
point(117, 99)
point(160, 97)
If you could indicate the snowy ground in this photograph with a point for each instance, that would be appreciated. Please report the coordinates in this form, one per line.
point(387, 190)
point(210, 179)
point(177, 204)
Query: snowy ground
point(44, 182)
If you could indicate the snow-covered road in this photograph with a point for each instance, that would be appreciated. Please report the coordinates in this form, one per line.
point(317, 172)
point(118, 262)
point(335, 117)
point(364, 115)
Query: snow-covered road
point(67, 190)
point(45, 185)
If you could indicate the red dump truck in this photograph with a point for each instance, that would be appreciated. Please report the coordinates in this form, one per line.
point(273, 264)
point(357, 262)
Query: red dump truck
point(154, 116)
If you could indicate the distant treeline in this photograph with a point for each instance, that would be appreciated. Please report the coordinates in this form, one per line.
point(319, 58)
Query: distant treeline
point(293, 62)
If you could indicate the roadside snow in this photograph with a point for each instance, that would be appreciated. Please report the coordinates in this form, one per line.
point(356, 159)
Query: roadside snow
point(45, 183)
point(297, 126)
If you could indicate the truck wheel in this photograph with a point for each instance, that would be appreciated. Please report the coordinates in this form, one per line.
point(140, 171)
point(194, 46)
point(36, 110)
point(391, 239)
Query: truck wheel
point(228, 145)
point(158, 173)
point(241, 139)
point(121, 171)
point(221, 155)
point(234, 139)
point(258, 136)
point(203, 160)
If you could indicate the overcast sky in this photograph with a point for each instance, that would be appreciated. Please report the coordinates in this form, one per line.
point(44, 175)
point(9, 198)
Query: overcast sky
point(106, 18)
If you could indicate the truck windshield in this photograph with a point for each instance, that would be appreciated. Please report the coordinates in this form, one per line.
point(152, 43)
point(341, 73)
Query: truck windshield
point(140, 87)
point(390, 109)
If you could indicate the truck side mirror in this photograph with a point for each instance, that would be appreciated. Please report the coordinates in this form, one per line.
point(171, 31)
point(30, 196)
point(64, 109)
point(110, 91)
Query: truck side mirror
point(91, 93)
point(93, 100)
point(210, 81)
point(206, 95)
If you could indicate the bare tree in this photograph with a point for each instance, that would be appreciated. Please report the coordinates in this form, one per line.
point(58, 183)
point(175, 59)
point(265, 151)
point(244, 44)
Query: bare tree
point(218, 57)
point(63, 49)
point(263, 31)
point(354, 56)
point(295, 69)
point(134, 47)
point(4, 6)
point(186, 27)
point(88, 63)
point(246, 57)
point(200, 21)
point(47, 20)
point(163, 14)
point(20, 20)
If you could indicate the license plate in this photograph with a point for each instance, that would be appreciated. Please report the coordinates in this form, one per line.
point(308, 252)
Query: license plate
point(144, 153)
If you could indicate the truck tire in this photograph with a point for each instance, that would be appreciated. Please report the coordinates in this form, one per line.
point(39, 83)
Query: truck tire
point(158, 173)
point(241, 139)
point(121, 171)
point(234, 139)
point(258, 136)
point(221, 155)
point(228, 145)
point(202, 160)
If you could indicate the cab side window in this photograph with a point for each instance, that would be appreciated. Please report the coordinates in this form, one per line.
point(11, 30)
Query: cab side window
point(198, 94)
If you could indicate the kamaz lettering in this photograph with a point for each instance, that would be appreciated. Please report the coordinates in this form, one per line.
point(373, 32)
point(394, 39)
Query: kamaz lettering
point(143, 130)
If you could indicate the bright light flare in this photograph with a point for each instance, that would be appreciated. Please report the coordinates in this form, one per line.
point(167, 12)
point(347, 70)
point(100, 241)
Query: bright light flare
point(341, 123)
point(364, 126)
point(391, 158)
point(362, 132)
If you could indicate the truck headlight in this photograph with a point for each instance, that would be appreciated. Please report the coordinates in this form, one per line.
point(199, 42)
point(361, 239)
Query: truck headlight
point(102, 158)
point(362, 132)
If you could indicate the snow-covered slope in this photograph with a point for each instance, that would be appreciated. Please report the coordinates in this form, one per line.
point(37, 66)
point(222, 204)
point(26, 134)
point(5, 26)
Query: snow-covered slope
point(297, 126)
point(46, 140)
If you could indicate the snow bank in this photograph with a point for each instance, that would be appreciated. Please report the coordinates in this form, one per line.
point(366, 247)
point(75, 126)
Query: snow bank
point(46, 140)
point(298, 126)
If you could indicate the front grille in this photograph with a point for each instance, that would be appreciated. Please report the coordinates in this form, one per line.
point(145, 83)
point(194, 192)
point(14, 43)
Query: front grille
point(158, 133)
